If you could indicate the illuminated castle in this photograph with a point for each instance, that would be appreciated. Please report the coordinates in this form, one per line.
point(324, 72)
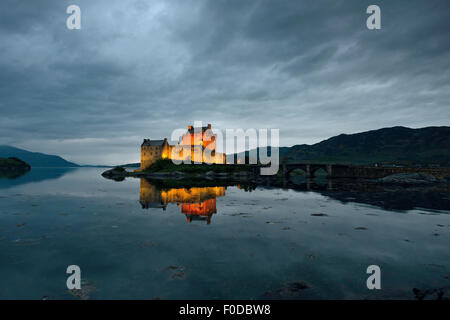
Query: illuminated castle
point(197, 144)
point(196, 203)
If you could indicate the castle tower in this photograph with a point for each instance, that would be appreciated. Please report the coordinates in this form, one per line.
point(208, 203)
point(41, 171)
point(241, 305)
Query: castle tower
point(152, 151)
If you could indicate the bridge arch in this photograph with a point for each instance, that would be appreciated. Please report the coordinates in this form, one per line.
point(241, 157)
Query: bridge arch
point(318, 169)
point(309, 169)
point(290, 171)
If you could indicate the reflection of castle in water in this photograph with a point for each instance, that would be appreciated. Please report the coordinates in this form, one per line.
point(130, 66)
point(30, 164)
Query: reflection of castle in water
point(197, 203)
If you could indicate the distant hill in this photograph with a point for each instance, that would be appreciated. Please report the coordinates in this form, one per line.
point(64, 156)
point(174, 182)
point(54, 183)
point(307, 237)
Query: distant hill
point(387, 146)
point(397, 145)
point(131, 165)
point(35, 159)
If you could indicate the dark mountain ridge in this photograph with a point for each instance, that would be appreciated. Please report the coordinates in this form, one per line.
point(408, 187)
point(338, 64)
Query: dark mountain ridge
point(428, 146)
point(35, 159)
point(396, 145)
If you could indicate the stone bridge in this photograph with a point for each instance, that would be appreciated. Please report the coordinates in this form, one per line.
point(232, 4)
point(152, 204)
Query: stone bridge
point(366, 172)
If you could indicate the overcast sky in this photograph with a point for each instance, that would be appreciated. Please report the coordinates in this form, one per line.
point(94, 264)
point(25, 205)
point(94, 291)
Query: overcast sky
point(139, 69)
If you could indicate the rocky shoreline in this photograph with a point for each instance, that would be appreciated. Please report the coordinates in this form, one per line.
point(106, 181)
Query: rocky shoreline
point(398, 180)
point(412, 179)
point(120, 174)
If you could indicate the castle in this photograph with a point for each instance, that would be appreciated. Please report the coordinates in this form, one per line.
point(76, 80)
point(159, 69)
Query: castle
point(191, 147)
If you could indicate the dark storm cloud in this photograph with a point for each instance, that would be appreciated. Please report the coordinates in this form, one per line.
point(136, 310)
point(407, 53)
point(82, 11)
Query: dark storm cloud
point(142, 68)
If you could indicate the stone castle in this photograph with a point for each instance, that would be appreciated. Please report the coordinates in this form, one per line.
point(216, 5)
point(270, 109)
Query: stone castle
point(191, 147)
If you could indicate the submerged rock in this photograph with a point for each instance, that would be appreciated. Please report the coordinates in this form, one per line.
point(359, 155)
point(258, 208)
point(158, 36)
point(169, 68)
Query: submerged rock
point(172, 268)
point(177, 272)
point(410, 179)
point(432, 294)
point(289, 290)
point(117, 174)
point(85, 292)
point(177, 275)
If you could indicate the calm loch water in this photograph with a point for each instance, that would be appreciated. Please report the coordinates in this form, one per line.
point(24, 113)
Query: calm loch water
point(136, 240)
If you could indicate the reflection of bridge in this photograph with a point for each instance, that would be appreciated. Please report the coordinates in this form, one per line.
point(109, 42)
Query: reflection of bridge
point(348, 171)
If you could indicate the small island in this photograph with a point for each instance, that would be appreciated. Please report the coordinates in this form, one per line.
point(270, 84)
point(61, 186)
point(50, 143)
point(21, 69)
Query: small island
point(12, 168)
point(158, 156)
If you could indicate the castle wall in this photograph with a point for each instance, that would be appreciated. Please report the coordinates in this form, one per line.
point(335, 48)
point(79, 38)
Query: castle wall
point(149, 155)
